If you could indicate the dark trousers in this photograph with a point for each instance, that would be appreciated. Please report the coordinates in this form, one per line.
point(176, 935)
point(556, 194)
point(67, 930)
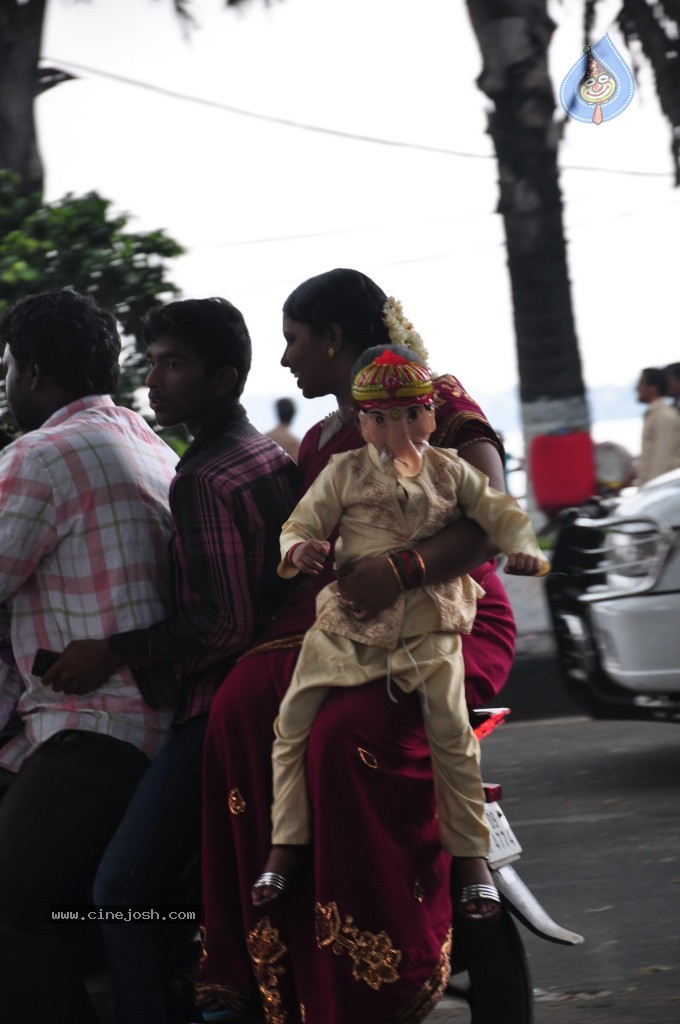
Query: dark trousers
point(153, 860)
point(56, 818)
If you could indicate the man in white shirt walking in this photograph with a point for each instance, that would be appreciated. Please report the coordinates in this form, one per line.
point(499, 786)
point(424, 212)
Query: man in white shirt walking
point(660, 448)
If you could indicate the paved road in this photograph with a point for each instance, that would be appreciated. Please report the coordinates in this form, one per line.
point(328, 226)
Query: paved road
point(595, 806)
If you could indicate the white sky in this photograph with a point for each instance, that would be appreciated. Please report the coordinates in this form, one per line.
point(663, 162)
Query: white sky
point(261, 206)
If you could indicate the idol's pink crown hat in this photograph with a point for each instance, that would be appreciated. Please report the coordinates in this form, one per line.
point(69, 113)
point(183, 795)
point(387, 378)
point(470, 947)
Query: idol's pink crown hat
point(391, 379)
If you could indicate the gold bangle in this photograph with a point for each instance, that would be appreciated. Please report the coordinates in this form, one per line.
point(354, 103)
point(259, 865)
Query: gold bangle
point(395, 571)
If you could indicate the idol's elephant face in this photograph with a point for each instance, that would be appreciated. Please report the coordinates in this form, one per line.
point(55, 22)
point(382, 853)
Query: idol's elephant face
point(400, 433)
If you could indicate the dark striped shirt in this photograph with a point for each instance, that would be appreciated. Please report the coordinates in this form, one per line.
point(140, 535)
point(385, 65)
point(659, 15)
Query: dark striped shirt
point(233, 490)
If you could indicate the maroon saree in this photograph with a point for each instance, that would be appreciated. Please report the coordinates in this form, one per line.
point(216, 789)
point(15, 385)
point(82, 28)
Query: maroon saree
point(363, 931)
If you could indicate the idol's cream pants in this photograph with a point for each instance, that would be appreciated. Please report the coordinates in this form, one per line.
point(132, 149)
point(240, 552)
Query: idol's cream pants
point(431, 664)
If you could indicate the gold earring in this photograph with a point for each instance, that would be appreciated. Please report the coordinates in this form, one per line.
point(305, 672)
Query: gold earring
point(331, 352)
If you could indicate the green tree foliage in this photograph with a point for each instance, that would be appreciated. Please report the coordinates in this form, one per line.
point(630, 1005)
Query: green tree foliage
point(76, 242)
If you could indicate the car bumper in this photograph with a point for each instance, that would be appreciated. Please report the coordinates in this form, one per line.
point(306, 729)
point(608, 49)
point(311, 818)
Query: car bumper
point(638, 641)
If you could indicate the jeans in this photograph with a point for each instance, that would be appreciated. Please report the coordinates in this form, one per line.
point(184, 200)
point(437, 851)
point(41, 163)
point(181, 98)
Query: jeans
point(153, 860)
point(56, 816)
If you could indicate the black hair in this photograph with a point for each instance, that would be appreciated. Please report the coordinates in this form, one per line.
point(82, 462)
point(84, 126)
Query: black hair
point(285, 410)
point(213, 328)
point(655, 378)
point(674, 370)
point(345, 297)
point(73, 340)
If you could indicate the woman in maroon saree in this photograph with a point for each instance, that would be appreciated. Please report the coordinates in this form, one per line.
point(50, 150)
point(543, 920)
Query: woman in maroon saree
point(363, 932)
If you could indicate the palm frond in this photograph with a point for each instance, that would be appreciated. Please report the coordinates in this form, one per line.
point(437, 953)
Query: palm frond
point(656, 26)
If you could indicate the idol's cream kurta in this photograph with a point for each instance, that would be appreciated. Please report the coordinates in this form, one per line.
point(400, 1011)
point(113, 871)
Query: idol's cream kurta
point(415, 641)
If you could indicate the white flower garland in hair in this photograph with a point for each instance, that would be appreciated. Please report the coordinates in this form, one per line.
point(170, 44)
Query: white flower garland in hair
point(401, 330)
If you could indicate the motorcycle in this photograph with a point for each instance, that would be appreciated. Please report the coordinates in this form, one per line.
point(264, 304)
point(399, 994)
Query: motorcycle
point(489, 965)
point(489, 968)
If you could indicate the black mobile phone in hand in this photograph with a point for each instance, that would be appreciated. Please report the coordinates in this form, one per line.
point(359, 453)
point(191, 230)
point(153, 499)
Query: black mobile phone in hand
point(43, 660)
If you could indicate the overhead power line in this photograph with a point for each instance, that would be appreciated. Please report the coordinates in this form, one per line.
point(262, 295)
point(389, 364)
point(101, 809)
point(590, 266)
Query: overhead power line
point(272, 118)
point(324, 130)
point(236, 243)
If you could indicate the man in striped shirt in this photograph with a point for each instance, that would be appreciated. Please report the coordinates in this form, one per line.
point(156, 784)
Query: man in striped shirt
point(233, 490)
point(84, 526)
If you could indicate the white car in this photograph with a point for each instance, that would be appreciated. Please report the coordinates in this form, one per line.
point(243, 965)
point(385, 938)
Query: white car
point(614, 597)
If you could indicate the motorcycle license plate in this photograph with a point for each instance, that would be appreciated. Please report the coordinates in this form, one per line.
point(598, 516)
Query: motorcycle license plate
point(503, 844)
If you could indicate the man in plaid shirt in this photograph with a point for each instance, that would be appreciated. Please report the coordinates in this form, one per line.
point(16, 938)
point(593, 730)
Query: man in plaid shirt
point(84, 527)
point(233, 491)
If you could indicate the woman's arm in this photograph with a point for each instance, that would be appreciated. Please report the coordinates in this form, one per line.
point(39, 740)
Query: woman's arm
point(369, 585)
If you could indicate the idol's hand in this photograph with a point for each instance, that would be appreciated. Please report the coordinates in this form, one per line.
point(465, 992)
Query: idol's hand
point(309, 556)
point(367, 587)
point(520, 564)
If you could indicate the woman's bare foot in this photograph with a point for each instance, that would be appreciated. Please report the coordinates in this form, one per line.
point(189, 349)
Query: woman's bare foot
point(479, 897)
point(282, 863)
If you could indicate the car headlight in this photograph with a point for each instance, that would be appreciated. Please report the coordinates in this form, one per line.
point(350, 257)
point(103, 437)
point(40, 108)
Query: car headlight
point(635, 554)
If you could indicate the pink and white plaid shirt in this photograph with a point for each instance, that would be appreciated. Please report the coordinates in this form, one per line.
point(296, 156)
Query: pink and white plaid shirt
point(84, 530)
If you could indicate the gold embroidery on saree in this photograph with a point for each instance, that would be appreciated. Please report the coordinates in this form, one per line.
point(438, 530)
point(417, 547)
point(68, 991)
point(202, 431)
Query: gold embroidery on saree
point(211, 996)
point(265, 948)
point(431, 992)
point(237, 804)
point(369, 759)
point(284, 643)
point(448, 384)
point(221, 997)
point(375, 959)
point(446, 433)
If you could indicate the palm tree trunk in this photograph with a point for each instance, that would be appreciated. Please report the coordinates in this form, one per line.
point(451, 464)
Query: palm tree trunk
point(513, 36)
point(21, 27)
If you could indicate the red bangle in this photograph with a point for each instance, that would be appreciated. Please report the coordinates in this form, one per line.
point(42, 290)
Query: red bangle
point(409, 568)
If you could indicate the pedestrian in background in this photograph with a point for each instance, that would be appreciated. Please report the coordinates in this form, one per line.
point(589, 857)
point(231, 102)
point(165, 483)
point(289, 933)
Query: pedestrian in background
point(282, 434)
point(672, 372)
point(660, 448)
